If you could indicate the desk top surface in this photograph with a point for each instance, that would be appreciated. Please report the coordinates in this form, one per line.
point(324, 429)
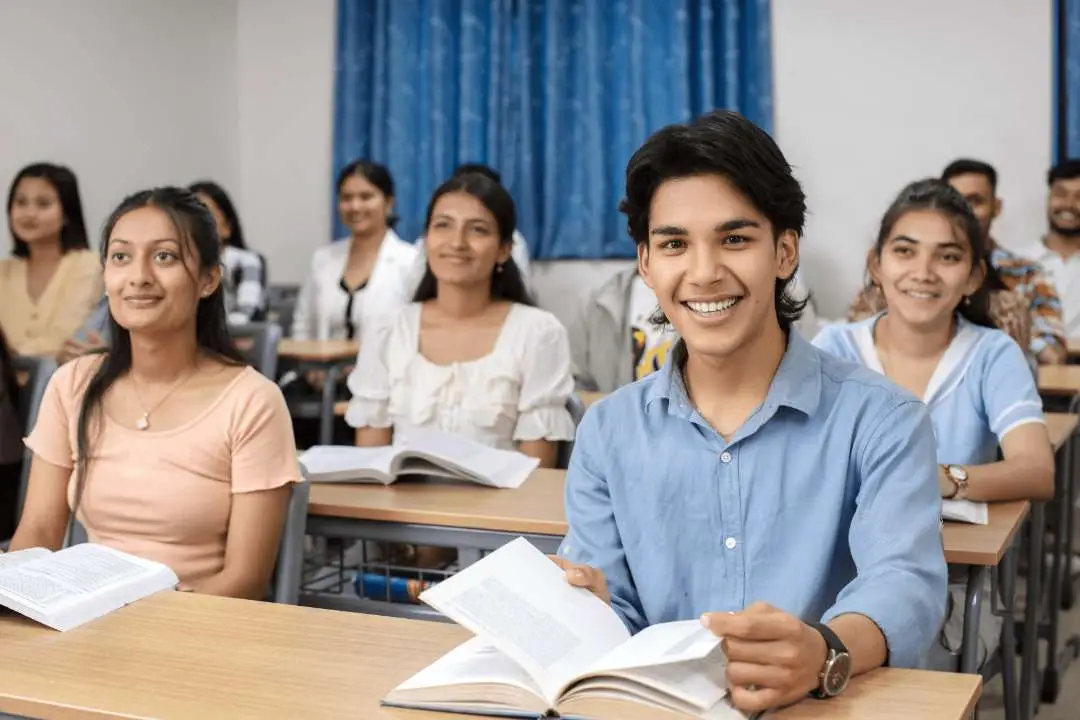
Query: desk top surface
point(1059, 379)
point(536, 507)
point(318, 350)
point(180, 655)
point(967, 544)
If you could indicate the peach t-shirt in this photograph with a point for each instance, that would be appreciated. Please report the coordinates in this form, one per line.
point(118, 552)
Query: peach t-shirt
point(166, 496)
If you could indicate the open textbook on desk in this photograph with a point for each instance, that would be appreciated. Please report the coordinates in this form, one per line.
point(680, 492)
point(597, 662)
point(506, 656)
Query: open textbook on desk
point(429, 454)
point(70, 587)
point(543, 647)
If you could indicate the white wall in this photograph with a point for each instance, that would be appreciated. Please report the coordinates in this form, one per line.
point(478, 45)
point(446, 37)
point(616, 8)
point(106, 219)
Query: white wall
point(871, 95)
point(128, 93)
point(285, 51)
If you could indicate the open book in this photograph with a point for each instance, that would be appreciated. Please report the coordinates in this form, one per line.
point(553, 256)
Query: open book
point(431, 454)
point(78, 584)
point(544, 647)
point(968, 511)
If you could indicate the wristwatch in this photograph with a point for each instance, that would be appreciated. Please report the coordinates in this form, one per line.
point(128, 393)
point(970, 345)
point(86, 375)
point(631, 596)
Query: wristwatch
point(837, 669)
point(958, 476)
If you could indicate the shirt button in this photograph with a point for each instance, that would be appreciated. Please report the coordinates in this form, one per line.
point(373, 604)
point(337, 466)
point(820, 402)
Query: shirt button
point(730, 543)
point(725, 457)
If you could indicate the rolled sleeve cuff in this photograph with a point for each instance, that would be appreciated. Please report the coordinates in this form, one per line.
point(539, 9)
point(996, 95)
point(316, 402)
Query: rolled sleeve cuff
point(908, 634)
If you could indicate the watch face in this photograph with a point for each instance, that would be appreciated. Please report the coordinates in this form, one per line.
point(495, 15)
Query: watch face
point(958, 473)
point(837, 674)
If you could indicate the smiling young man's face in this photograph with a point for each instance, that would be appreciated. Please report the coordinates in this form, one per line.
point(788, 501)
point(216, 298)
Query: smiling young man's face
point(713, 261)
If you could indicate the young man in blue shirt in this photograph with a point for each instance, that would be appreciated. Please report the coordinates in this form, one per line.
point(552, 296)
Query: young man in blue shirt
point(787, 498)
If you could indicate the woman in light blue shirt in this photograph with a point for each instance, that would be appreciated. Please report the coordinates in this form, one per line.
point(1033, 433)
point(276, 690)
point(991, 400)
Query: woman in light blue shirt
point(936, 339)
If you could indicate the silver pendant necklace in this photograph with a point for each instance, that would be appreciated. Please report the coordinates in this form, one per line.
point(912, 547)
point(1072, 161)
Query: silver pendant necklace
point(143, 423)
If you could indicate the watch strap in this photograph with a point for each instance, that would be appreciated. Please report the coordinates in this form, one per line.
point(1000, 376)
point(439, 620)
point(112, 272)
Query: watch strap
point(834, 646)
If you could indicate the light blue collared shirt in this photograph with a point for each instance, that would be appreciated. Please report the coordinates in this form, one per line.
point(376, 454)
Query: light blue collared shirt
point(825, 502)
point(981, 389)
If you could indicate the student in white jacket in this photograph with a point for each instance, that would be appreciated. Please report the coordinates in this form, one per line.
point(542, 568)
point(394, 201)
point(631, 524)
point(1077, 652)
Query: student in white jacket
point(363, 276)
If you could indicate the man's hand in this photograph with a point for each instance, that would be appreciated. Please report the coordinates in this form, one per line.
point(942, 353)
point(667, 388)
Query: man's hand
point(584, 576)
point(773, 659)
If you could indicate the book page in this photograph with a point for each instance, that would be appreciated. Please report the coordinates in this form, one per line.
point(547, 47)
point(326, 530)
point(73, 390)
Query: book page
point(342, 463)
point(473, 662)
point(662, 644)
point(519, 600)
point(498, 468)
point(700, 683)
point(977, 513)
point(21, 557)
point(70, 574)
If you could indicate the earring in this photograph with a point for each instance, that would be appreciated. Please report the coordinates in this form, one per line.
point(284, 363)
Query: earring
point(499, 267)
point(967, 300)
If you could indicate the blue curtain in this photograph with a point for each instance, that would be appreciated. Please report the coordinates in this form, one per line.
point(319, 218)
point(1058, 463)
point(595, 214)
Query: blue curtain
point(1067, 80)
point(554, 94)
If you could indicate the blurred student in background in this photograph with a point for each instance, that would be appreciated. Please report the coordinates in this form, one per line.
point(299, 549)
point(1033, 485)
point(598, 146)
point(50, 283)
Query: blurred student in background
point(355, 280)
point(471, 355)
point(53, 281)
point(167, 445)
point(1059, 250)
point(244, 276)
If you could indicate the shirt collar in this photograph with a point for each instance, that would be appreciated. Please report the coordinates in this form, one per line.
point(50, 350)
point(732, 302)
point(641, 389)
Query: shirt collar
point(796, 384)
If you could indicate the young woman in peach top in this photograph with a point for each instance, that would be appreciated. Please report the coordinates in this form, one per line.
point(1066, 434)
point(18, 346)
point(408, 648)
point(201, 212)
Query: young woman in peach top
point(167, 445)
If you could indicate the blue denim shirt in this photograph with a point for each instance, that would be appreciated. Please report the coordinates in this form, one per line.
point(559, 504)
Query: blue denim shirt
point(824, 502)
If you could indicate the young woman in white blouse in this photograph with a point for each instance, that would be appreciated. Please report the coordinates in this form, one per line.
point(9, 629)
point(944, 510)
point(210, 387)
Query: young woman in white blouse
point(471, 355)
point(354, 280)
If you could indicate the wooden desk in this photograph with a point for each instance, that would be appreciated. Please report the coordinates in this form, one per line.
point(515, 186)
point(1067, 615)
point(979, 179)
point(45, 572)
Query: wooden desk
point(534, 508)
point(967, 544)
point(1060, 427)
point(1059, 379)
point(181, 655)
point(318, 351)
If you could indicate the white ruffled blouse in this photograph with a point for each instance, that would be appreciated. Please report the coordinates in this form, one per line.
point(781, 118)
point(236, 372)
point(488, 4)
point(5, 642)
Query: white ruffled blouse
point(518, 392)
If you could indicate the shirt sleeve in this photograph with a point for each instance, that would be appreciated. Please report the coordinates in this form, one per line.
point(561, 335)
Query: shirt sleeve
point(303, 324)
point(264, 449)
point(1047, 325)
point(546, 385)
point(592, 537)
point(50, 438)
point(1009, 394)
point(895, 537)
point(249, 290)
point(82, 291)
point(369, 382)
point(578, 335)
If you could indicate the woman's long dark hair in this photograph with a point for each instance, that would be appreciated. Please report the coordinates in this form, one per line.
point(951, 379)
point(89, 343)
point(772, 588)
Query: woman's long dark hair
point(506, 282)
point(73, 233)
point(196, 229)
point(221, 198)
point(940, 197)
point(8, 381)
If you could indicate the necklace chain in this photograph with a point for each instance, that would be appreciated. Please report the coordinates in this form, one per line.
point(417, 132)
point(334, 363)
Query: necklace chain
point(143, 423)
